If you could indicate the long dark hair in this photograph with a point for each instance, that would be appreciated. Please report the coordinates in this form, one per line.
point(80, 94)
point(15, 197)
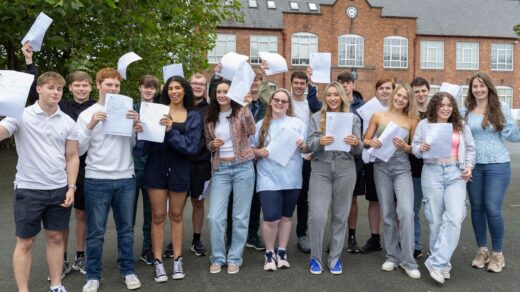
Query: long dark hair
point(213, 109)
point(188, 92)
point(493, 115)
point(435, 103)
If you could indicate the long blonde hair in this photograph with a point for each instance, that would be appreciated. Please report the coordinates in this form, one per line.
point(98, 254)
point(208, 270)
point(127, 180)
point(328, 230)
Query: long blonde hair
point(411, 109)
point(266, 123)
point(345, 106)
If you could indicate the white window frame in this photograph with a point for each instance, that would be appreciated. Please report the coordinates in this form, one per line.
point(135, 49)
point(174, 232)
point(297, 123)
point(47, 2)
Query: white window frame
point(505, 94)
point(294, 5)
point(313, 6)
point(467, 56)
point(225, 43)
point(303, 44)
point(351, 49)
point(464, 94)
point(261, 43)
point(253, 3)
point(434, 88)
point(432, 55)
point(502, 57)
point(395, 53)
point(271, 4)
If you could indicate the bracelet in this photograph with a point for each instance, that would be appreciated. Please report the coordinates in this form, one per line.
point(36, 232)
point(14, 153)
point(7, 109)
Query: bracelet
point(73, 187)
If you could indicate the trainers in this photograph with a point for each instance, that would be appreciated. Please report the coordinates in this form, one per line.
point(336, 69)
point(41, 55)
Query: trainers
point(434, 273)
point(337, 269)
point(417, 253)
point(412, 273)
point(168, 251)
point(388, 266)
point(371, 246)
point(79, 264)
point(58, 289)
point(147, 257)
point(159, 273)
point(198, 248)
point(132, 282)
point(255, 242)
point(315, 268)
point(282, 262)
point(481, 259)
point(496, 263)
point(303, 244)
point(91, 286)
point(177, 269)
point(352, 245)
point(446, 274)
point(233, 268)
point(270, 261)
point(215, 268)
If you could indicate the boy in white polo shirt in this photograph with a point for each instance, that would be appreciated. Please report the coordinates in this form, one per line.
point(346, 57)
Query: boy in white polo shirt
point(47, 147)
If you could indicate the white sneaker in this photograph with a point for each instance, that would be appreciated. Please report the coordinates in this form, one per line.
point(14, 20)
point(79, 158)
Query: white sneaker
point(434, 273)
point(91, 286)
point(270, 261)
point(388, 266)
point(132, 282)
point(413, 273)
point(446, 274)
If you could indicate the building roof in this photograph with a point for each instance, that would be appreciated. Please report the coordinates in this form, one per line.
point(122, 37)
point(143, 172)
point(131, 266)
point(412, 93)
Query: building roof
point(479, 18)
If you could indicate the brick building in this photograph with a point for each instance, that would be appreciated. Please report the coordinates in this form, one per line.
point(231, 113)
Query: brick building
point(440, 40)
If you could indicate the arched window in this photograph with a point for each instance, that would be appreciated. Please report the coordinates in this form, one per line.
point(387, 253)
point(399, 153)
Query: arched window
point(351, 50)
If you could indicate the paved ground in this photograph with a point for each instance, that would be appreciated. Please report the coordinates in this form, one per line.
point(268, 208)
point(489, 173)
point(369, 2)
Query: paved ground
point(361, 272)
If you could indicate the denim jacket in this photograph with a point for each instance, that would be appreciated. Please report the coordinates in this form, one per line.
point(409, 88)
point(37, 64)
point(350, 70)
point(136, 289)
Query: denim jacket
point(466, 152)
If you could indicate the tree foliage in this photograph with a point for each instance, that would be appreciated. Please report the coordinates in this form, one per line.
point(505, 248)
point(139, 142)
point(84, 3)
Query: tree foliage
point(516, 28)
point(92, 34)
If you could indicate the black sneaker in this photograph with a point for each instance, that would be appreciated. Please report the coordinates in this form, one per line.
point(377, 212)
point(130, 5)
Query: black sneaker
point(256, 243)
point(371, 246)
point(352, 245)
point(417, 253)
point(198, 248)
point(147, 257)
point(168, 251)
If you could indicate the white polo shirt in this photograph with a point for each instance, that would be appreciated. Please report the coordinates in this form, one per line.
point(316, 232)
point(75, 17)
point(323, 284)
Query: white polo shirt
point(40, 145)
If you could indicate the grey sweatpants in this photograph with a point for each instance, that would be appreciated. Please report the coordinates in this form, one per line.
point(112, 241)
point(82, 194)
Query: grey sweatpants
point(395, 177)
point(332, 185)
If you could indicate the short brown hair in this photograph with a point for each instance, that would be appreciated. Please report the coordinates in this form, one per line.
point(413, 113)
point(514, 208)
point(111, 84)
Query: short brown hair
point(107, 73)
point(383, 81)
point(149, 81)
point(79, 76)
point(50, 76)
point(198, 76)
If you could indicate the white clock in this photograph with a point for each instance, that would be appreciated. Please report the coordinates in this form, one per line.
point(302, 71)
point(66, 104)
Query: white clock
point(351, 12)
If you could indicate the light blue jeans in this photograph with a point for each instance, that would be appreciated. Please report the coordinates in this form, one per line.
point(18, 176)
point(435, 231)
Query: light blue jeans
point(241, 179)
point(445, 208)
point(417, 203)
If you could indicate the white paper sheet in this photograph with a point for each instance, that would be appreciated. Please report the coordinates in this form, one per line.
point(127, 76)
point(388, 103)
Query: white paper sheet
point(37, 32)
point(282, 146)
point(116, 107)
point(453, 89)
point(338, 125)
point(14, 89)
point(277, 63)
point(439, 137)
point(172, 70)
point(386, 151)
point(320, 64)
point(241, 84)
point(150, 116)
point(515, 112)
point(368, 109)
point(230, 63)
point(126, 60)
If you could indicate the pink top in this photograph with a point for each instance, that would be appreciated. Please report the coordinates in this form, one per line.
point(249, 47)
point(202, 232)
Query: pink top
point(455, 140)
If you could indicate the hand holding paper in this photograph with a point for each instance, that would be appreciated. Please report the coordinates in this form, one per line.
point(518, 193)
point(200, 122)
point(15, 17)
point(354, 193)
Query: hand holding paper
point(14, 89)
point(230, 64)
point(320, 64)
point(276, 62)
point(116, 108)
point(37, 32)
point(150, 117)
point(439, 137)
point(241, 84)
point(339, 126)
point(387, 149)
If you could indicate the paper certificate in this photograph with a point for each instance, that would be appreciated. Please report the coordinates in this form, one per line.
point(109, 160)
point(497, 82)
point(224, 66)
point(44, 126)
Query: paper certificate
point(126, 60)
point(439, 137)
point(282, 146)
point(339, 126)
point(241, 84)
point(277, 63)
point(320, 64)
point(37, 32)
point(172, 70)
point(14, 89)
point(368, 109)
point(150, 116)
point(388, 149)
point(515, 113)
point(452, 89)
point(116, 107)
point(230, 63)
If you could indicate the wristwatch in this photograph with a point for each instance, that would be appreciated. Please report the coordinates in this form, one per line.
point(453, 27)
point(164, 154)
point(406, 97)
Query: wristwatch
point(73, 187)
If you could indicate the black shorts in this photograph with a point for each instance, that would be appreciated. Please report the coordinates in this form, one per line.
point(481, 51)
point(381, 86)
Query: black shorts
point(359, 188)
point(79, 197)
point(32, 207)
point(200, 172)
point(162, 171)
point(370, 186)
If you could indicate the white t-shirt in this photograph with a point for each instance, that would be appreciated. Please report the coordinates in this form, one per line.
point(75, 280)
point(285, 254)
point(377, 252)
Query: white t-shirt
point(223, 132)
point(301, 111)
point(40, 145)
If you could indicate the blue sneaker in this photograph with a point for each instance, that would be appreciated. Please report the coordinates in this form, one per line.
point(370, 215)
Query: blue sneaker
point(315, 267)
point(337, 269)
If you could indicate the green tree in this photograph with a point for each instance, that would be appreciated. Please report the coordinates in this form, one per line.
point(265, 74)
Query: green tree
point(90, 35)
point(516, 28)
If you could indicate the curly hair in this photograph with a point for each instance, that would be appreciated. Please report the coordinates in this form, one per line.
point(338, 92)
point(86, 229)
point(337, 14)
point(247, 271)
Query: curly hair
point(266, 122)
point(213, 109)
point(411, 109)
point(188, 92)
point(494, 114)
point(435, 103)
point(345, 106)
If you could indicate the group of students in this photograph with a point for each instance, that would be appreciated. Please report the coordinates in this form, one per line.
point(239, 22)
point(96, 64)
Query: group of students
point(220, 141)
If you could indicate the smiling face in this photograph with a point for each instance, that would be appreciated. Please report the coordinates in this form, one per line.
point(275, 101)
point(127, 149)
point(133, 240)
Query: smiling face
point(80, 90)
point(400, 99)
point(108, 85)
point(50, 93)
point(175, 93)
point(333, 99)
point(222, 90)
point(280, 104)
point(421, 94)
point(147, 92)
point(479, 89)
point(384, 91)
point(298, 86)
point(198, 86)
point(444, 110)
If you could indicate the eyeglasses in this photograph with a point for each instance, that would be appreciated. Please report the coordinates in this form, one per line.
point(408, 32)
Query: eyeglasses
point(277, 100)
point(197, 84)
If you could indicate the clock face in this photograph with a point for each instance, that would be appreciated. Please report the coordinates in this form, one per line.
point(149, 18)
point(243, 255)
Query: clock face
point(351, 11)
